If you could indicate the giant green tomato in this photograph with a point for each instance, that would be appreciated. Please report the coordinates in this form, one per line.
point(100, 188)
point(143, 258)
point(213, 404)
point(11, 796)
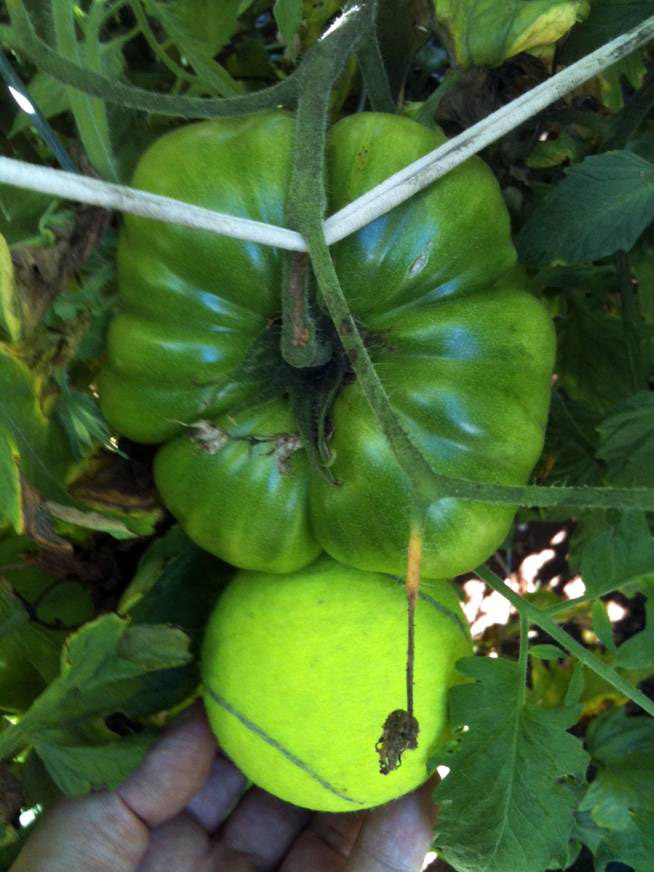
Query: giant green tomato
point(194, 362)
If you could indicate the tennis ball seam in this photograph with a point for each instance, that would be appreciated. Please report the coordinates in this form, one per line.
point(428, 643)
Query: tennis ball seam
point(288, 755)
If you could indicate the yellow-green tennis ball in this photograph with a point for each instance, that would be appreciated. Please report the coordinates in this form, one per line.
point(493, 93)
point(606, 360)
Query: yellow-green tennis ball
point(301, 671)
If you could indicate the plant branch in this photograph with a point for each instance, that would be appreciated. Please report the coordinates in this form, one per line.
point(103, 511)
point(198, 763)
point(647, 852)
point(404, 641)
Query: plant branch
point(374, 74)
point(90, 113)
point(523, 658)
point(23, 39)
point(13, 739)
point(543, 620)
point(160, 53)
point(632, 322)
point(307, 201)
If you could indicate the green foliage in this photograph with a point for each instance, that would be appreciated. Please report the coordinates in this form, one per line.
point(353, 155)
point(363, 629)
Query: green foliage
point(606, 20)
point(288, 14)
point(104, 668)
point(627, 441)
point(528, 764)
point(10, 310)
point(637, 652)
point(32, 449)
point(486, 32)
point(591, 364)
point(174, 582)
point(620, 800)
point(602, 206)
point(90, 113)
point(619, 555)
point(77, 770)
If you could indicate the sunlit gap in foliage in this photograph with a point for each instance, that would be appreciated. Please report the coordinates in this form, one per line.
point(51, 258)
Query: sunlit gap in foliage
point(429, 859)
point(575, 587)
point(28, 816)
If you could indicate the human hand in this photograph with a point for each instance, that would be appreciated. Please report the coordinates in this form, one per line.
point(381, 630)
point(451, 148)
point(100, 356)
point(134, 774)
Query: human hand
point(185, 810)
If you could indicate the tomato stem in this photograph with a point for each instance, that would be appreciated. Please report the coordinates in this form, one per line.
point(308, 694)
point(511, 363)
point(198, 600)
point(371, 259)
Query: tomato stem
point(541, 619)
point(414, 560)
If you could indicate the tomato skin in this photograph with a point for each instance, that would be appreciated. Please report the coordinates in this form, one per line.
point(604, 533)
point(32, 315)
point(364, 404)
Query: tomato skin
point(257, 496)
point(464, 353)
point(192, 303)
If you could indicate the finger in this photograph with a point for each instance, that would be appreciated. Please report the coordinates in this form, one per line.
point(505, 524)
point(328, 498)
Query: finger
point(325, 844)
point(174, 770)
point(179, 844)
point(219, 794)
point(263, 827)
point(397, 836)
point(97, 833)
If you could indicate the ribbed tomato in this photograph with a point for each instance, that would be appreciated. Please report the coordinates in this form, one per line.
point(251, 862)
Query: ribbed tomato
point(463, 350)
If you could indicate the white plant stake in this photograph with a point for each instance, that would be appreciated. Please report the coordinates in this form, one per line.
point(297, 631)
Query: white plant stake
point(422, 172)
point(85, 189)
point(376, 202)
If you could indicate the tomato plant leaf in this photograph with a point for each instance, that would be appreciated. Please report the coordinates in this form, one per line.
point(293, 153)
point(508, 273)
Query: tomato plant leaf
point(288, 15)
point(484, 32)
point(78, 769)
point(32, 448)
point(510, 772)
point(10, 490)
point(601, 206)
point(591, 364)
point(618, 555)
point(80, 416)
point(630, 71)
point(554, 152)
point(209, 24)
point(91, 520)
point(570, 442)
point(602, 625)
point(547, 652)
point(607, 19)
point(10, 309)
point(627, 441)
point(642, 265)
point(12, 610)
point(621, 797)
point(102, 667)
point(637, 652)
point(199, 28)
point(175, 582)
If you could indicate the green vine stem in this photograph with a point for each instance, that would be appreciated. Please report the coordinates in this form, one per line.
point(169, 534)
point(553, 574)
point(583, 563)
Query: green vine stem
point(307, 201)
point(23, 39)
point(523, 657)
point(544, 620)
point(155, 47)
point(632, 322)
point(90, 113)
point(13, 739)
point(374, 74)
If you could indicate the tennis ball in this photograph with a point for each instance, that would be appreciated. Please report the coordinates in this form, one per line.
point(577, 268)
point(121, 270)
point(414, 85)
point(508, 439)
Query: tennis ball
point(301, 671)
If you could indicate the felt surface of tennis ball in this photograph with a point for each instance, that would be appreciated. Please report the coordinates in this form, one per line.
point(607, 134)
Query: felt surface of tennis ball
point(300, 672)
